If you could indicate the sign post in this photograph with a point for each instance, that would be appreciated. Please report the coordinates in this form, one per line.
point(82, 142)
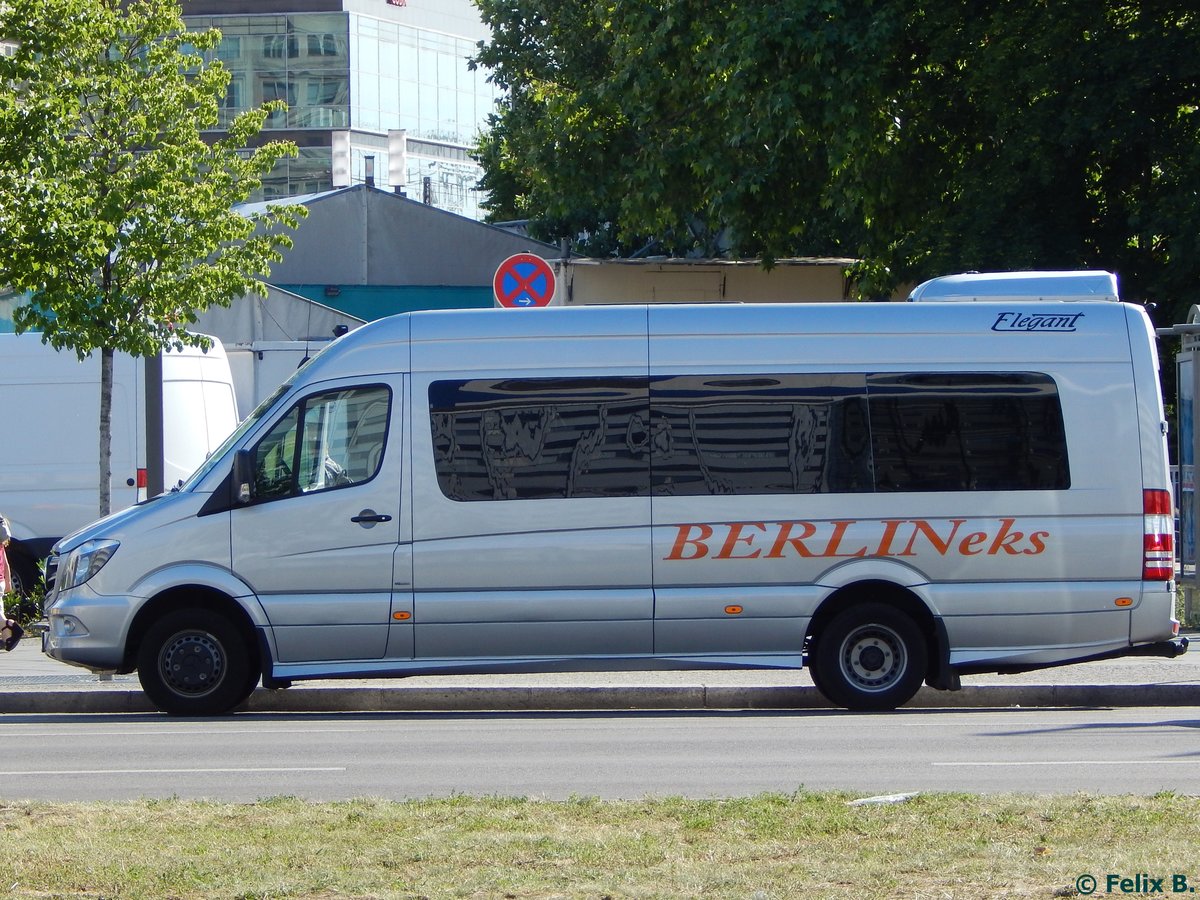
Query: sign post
point(523, 281)
point(1187, 500)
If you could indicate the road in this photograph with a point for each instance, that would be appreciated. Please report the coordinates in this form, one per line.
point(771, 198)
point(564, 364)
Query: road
point(609, 755)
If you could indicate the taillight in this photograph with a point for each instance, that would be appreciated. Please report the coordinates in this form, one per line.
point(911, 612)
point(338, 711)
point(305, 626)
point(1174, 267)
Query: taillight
point(1158, 561)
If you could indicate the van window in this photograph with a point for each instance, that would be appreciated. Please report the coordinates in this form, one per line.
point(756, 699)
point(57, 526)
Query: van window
point(328, 440)
point(777, 434)
point(529, 439)
point(967, 432)
point(692, 435)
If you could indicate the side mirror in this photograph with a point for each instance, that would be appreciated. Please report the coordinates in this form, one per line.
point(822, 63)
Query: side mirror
point(243, 477)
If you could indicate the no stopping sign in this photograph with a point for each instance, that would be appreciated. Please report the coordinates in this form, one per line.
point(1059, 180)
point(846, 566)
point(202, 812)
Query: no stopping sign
point(522, 281)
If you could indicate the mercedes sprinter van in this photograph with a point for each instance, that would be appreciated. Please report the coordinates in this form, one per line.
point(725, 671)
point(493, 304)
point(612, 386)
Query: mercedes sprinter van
point(891, 493)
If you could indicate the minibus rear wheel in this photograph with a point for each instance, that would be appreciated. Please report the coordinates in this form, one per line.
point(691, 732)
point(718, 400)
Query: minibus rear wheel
point(870, 656)
point(195, 662)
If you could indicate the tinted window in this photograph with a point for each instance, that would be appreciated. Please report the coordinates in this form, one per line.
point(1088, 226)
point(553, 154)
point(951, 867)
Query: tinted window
point(523, 439)
point(967, 432)
point(780, 434)
point(697, 435)
point(328, 440)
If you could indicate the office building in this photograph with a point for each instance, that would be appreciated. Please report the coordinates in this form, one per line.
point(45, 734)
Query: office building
point(377, 91)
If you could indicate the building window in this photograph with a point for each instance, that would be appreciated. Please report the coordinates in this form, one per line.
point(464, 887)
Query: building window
point(279, 46)
point(325, 91)
point(230, 48)
point(278, 89)
point(322, 45)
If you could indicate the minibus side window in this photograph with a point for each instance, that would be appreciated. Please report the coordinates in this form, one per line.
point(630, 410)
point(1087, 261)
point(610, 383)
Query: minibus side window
point(328, 440)
point(967, 432)
point(760, 434)
point(704, 435)
point(541, 438)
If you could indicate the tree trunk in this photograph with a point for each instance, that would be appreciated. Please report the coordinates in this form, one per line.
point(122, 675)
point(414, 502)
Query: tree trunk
point(106, 390)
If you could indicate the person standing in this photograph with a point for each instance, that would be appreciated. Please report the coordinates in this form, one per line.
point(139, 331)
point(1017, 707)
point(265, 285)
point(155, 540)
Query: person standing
point(11, 633)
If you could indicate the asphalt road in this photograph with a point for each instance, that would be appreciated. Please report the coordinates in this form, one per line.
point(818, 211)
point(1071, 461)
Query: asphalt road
point(604, 754)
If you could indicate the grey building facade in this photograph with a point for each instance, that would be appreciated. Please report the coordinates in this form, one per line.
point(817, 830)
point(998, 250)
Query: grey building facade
point(368, 252)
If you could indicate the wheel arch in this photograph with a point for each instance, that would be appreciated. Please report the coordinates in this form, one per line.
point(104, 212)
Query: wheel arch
point(904, 599)
point(185, 596)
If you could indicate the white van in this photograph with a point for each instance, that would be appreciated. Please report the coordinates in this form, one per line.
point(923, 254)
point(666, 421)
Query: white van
point(890, 493)
point(50, 470)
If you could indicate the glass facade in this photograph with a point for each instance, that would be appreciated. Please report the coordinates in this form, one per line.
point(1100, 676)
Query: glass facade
point(302, 60)
point(342, 71)
point(406, 78)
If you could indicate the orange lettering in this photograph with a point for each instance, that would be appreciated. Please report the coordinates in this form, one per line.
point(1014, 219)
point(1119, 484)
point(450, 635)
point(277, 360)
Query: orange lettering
point(683, 539)
point(971, 541)
point(923, 527)
point(889, 534)
point(1006, 539)
point(1037, 539)
point(784, 537)
point(835, 540)
point(735, 537)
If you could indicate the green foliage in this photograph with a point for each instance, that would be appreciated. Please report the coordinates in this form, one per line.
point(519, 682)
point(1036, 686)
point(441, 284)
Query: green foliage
point(25, 608)
point(922, 139)
point(801, 845)
point(683, 123)
point(1056, 136)
point(116, 215)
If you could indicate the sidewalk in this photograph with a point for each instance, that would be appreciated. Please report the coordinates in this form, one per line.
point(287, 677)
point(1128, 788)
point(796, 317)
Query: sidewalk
point(33, 683)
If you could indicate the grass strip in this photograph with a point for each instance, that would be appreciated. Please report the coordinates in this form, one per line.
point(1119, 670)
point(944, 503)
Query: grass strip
point(808, 845)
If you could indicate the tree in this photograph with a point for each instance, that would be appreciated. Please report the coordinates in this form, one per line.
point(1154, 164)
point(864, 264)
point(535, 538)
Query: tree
point(1053, 136)
point(921, 138)
point(115, 215)
point(691, 124)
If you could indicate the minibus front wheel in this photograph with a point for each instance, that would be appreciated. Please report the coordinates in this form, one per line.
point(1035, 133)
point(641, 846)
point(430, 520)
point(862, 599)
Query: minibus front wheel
point(870, 656)
point(195, 662)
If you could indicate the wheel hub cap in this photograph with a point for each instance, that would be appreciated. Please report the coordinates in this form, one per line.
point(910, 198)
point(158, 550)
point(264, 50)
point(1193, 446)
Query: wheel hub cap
point(873, 658)
point(192, 663)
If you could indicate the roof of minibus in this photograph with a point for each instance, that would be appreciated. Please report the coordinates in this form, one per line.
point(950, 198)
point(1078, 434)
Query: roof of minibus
point(385, 344)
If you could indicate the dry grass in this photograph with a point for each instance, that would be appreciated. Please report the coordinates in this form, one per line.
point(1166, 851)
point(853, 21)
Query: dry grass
point(770, 846)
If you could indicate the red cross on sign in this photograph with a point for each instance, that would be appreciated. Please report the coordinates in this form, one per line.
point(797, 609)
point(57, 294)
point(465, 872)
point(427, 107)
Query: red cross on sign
point(522, 281)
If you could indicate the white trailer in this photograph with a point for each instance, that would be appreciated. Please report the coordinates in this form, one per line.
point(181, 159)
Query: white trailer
point(50, 470)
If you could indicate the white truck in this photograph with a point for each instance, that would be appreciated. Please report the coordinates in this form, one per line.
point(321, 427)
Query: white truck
point(49, 469)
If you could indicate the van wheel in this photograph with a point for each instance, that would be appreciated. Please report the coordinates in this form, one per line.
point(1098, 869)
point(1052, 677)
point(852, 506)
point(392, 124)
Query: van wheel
point(870, 657)
point(195, 662)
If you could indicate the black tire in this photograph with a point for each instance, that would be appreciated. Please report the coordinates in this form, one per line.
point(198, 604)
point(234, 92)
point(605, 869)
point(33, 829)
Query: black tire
point(24, 573)
point(196, 662)
point(870, 657)
point(811, 665)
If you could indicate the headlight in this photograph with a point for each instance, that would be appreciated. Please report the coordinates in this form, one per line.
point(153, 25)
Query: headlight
point(85, 561)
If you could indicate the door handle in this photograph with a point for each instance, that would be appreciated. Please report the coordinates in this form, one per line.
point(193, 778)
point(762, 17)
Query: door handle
point(369, 517)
